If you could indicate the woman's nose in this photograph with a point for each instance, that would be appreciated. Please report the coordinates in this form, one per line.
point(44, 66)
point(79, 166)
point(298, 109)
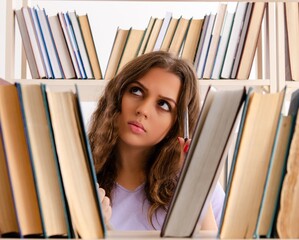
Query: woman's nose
point(144, 109)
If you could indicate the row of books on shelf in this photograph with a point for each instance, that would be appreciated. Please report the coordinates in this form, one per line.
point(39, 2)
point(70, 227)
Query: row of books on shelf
point(59, 46)
point(48, 185)
point(220, 45)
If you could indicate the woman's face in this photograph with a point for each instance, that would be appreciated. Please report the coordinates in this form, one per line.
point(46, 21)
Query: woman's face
point(149, 108)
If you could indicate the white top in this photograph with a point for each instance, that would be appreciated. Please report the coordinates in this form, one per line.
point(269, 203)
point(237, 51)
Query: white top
point(129, 209)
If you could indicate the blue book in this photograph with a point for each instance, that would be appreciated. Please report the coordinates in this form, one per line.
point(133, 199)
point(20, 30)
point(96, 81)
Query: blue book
point(75, 45)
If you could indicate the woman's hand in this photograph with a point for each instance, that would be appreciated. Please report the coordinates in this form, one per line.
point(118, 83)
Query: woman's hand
point(184, 148)
point(106, 207)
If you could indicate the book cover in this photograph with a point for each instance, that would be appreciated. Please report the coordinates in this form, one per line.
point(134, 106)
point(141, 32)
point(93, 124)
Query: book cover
point(203, 163)
point(250, 164)
point(44, 161)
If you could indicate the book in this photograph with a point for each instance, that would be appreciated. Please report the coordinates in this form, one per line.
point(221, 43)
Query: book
point(44, 161)
point(243, 35)
point(224, 38)
point(153, 35)
point(288, 212)
point(169, 34)
point(90, 46)
point(75, 48)
point(147, 34)
point(292, 26)
point(71, 49)
point(275, 177)
point(201, 40)
point(49, 43)
point(192, 38)
point(251, 40)
point(214, 41)
point(162, 32)
point(179, 36)
point(18, 164)
point(234, 39)
point(35, 44)
point(131, 47)
point(205, 47)
point(49, 72)
point(26, 43)
point(8, 221)
point(203, 164)
point(81, 44)
point(61, 46)
point(116, 52)
point(250, 164)
point(76, 164)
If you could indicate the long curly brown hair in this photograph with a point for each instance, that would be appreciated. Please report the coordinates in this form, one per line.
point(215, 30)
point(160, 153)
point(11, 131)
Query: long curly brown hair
point(164, 162)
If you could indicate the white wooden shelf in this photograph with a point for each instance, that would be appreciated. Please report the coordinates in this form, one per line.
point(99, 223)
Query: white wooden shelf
point(90, 90)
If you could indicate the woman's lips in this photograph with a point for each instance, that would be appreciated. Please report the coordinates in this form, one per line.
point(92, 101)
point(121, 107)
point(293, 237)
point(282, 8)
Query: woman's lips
point(136, 127)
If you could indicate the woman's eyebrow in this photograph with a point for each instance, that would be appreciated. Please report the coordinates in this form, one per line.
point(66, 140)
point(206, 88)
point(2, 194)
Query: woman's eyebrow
point(161, 96)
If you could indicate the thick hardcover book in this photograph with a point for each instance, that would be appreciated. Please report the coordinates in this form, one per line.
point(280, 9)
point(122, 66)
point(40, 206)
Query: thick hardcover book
point(203, 163)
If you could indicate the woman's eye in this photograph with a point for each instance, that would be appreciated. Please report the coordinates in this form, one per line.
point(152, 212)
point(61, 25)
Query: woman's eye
point(164, 105)
point(136, 90)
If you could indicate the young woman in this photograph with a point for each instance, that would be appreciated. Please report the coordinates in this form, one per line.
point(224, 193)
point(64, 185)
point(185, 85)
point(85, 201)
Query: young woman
point(136, 140)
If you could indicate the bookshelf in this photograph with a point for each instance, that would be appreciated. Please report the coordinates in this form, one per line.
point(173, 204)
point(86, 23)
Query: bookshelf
point(265, 63)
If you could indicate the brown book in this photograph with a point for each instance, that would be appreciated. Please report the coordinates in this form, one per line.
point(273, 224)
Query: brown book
point(76, 165)
point(8, 219)
point(179, 36)
point(44, 161)
point(169, 34)
point(116, 52)
point(153, 35)
point(250, 164)
point(90, 46)
point(251, 40)
point(275, 177)
point(292, 25)
point(147, 34)
point(26, 43)
point(287, 220)
point(192, 39)
point(131, 47)
point(18, 163)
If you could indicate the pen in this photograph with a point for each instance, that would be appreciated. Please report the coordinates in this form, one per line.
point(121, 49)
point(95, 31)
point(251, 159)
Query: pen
point(186, 125)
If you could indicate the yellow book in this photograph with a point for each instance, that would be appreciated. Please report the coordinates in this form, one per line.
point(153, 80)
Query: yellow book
point(250, 165)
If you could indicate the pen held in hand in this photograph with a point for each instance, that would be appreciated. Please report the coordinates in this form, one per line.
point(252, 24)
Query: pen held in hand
point(186, 125)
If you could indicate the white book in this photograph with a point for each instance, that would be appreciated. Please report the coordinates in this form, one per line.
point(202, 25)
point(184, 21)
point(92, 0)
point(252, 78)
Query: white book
point(163, 30)
point(35, 44)
point(49, 72)
point(50, 46)
point(234, 39)
point(205, 47)
point(74, 45)
point(62, 49)
point(214, 40)
point(81, 44)
point(69, 44)
point(226, 30)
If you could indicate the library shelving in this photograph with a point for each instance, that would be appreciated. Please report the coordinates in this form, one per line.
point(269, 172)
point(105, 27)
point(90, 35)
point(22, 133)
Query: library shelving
point(265, 65)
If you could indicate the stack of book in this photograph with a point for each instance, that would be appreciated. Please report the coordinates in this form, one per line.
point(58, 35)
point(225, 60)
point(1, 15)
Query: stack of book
point(220, 45)
point(59, 46)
